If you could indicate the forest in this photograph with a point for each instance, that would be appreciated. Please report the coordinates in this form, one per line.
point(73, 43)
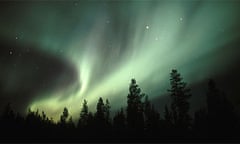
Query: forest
point(139, 121)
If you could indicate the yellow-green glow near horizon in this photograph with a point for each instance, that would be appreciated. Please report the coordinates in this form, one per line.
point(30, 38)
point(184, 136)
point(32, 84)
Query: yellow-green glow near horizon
point(111, 42)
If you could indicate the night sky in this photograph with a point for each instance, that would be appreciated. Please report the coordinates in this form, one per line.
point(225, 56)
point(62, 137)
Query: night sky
point(54, 54)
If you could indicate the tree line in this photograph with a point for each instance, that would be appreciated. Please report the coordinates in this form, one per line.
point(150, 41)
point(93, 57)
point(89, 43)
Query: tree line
point(139, 121)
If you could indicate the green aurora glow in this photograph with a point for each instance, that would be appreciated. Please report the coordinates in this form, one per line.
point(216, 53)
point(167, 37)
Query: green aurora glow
point(111, 42)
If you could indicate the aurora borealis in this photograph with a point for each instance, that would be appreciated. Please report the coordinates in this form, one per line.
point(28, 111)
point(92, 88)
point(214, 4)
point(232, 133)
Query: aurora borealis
point(57, 53)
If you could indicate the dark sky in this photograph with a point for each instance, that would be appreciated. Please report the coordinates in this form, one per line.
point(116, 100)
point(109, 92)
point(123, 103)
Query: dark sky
point(57, 53)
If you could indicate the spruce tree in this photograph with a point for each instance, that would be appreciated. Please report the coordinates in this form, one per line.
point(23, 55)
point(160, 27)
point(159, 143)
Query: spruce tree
point(180, 95)
point(83, 120)
point(100, 120)
point(64, 116)
point(135, 118)
point(220, 112)
point(119, 120)
point(107, 111)
point(152, 117)
point(167, 115)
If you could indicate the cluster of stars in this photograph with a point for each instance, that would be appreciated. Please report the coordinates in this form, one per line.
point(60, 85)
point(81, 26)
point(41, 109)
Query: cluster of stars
point(147, 27)
point(11, 51)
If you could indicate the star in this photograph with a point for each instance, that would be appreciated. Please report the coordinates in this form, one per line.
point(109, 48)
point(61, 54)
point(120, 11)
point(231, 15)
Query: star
point(16, 37)
point(147, 27)
point(10, 52)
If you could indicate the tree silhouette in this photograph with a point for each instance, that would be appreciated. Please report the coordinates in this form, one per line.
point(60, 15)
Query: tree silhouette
point(90, 124)
point(167, 114)
point(63, 118)
point(83, 120)
point(142, 122)
point(70, 123)
point(107, 112)
point(44, 117)
point(180, 105)
point(167, 124)
point(119, 120)
point(8, 119)
point(200, 123)
point(100, 121)
point(64, 115)
point(221, 116)
point(147, 108)
point(135, 119)
point(152, 117)
point(8, 115)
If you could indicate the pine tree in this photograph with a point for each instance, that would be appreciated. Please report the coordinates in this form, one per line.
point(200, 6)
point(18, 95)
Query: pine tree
point(152, 117)
point(221, 115)
point(71, 123)
point(167, 114)
point(147, 108)
point(147, 113)
point(200, 122)
point(119, 121)
point(83, 120)
point(8, 113)
point(100, 120)
point(90, 121)
point(44, 117)
point(8, 117)
point(135, 119)
point(64, 116)
point(107, 111)
point(180, 105)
